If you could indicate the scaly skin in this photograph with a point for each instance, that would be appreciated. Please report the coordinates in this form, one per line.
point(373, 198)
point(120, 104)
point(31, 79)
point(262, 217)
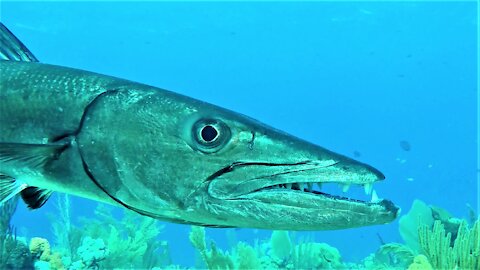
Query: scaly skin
point(141, 147)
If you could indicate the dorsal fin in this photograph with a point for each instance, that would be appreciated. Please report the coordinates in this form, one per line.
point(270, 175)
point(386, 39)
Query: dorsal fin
point(11, 48)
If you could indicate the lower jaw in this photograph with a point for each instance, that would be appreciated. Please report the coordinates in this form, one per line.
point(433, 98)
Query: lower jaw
point(382, 211)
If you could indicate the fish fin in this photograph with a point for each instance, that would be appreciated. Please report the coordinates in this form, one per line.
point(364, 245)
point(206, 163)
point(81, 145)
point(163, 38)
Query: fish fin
point(35, 197)
point(11, 48)
point(9, 187)
point(30, 155)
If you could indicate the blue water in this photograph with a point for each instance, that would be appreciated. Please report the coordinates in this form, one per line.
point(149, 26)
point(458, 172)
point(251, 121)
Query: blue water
point(348, 76)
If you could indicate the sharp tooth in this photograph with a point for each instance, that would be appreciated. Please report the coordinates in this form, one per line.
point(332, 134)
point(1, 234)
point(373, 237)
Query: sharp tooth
point(368, 188)
point(302, 186)
point(310, 187)
point(289, 185)
point(374, 196)
point(345, 187)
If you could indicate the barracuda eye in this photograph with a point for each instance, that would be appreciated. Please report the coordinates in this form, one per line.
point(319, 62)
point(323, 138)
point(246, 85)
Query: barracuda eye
point(210, 135)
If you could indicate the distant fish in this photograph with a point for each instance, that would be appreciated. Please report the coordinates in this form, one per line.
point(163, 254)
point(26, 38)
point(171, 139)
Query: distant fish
point(405, 145)
point(357, 154)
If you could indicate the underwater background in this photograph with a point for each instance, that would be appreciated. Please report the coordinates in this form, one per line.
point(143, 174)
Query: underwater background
point(392, 84)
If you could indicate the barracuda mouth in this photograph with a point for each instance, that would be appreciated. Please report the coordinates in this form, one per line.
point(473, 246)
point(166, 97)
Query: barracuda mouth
point(332, 190)
point(305, 195)
point(246, 178)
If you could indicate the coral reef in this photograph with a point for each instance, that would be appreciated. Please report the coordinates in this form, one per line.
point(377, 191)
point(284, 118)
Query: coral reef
point(17, 254)
point(278, 252)
point(14, 252)
point(434, 239)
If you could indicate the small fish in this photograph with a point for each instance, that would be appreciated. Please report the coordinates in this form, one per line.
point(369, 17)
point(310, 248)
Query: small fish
point(405, 145)
point(164, 155)
point(357, 154)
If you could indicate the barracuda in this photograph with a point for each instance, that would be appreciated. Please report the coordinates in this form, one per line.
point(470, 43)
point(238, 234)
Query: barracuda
point(165, 155)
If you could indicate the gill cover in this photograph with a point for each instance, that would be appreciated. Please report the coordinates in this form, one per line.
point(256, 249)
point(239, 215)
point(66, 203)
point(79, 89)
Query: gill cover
point(113, 138)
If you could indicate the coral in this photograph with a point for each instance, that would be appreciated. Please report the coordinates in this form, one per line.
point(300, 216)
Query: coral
point(395, 255)
point(41, 251)
point(56, 262)
point(132, 241)
point(436, 245)
point(213, 258)
point(17, 256)
point(246, 257)
point(197, 238)
point(40, 248)
point(281, 245)
point(316, 256)
point(7, 209)
point(419, 214)
point(278, 253)
point(67, 237)
point(420, 262)
point(91, 252)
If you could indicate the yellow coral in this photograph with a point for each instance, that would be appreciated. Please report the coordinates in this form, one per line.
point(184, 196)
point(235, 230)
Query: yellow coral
point(40, 248)
point(420, 262)
point(56, 262)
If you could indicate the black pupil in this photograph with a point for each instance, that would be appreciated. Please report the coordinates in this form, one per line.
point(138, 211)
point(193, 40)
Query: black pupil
point(209, 133)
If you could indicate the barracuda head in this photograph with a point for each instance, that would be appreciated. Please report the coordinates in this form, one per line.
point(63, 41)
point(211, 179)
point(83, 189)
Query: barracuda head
point(200, 164)
point(269, 179)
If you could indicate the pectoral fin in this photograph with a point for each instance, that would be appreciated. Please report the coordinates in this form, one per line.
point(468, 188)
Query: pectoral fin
point(32, 196)
point(25, 157)
point(32, 156)
point(9, 188)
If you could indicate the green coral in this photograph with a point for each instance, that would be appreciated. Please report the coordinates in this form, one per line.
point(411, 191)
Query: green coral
point(17, 255)
point(420, 262)
point(279, 252)
point(281, 245)
point(247, 257)
point(214, 258)
point(419, 214)
point(440, 242)
point(436, 245)
point(316, 256)
point(132, 241)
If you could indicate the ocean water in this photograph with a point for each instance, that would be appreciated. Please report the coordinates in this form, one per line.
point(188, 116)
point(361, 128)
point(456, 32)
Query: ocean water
point(393, 85)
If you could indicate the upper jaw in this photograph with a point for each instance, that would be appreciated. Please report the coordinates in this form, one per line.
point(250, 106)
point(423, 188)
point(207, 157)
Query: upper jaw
point(242, 178)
